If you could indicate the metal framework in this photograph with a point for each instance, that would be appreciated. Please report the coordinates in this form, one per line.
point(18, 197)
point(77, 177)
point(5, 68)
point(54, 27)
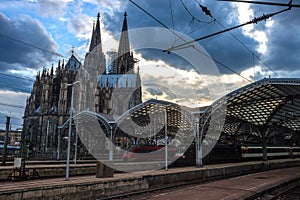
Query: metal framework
point(147, 120)
point(254, 111)
point(252, 114)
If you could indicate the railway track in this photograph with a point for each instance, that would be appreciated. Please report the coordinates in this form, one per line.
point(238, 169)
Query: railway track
point(281, 191)
point(278, 191)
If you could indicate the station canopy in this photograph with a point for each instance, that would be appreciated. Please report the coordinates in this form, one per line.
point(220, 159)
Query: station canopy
point(148, 120)
point(265, 105)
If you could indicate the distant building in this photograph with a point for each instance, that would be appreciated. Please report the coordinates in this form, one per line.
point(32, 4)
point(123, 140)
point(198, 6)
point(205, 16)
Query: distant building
point(14, 137)
point(48, 106)
point(112, 62)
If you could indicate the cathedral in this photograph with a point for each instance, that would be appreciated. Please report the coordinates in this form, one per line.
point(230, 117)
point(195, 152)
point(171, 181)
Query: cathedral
point(108, 88)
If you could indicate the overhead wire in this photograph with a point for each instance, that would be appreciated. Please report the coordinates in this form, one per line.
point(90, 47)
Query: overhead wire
point(189, 12)
point(207, 12)
point(18, 77)
point(172, 19)
point(11, 105)
point(289, 4)
point(14, 124)
point(200, 27)
point(189, 24)
point(172, 31)
point(193, 18)
point(245, 46)
point(31, 45)
point(16, 88)
point(254, 20)
point(172, 15)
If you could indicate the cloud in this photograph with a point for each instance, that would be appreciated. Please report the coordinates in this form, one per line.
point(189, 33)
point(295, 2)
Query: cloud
point(51, 8)
point(107, 6)
point(16, 114)
point(80, 25)
point(223, 47)
point(16, 56)
point(283, 44)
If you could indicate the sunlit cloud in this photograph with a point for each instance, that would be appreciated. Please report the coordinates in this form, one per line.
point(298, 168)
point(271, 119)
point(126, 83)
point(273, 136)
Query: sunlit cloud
point(245, 14)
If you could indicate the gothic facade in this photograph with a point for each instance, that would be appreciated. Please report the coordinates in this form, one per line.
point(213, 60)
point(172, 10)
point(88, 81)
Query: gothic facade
point(108, 92)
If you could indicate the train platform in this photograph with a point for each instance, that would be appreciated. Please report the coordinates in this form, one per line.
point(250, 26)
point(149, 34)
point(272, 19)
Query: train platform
point(90, 187)
point(248, 186)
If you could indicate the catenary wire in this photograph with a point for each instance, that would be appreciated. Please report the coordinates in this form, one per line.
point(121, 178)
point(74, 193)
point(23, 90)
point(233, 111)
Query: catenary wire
point(11, 105)
point(161, 23)
point(30, 45)
point(18, 77)
point(207, 12)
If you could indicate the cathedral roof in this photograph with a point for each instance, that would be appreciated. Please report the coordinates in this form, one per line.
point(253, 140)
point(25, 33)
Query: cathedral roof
point(73, 63)
point(118, 80)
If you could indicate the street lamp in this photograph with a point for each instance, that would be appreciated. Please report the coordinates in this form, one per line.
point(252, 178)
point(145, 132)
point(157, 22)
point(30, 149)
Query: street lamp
point(70, 130)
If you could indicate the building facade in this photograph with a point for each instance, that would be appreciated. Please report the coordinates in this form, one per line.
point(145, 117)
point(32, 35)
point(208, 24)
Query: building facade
point(102, 91)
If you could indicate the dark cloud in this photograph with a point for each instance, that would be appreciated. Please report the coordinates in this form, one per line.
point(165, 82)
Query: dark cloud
point(15, 83)
point(17, 56)
point(283, 45)
point(283, 36)
point(224, 47)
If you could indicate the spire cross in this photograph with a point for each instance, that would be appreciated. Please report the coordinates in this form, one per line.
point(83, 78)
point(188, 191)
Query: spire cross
point(72, 50)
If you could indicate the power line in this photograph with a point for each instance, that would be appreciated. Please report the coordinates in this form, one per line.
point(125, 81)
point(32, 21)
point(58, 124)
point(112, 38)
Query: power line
point(16, 88)
point(193, 18)
point(18, 77)
point(30, 45)
point(12, 117)
point(290, 5)
point(11, 105)
point(11, 124)
point(207, 12)
point(161, 23)
point(189, 12)
point(254, 20)
point(172, 16)
point(244, 45)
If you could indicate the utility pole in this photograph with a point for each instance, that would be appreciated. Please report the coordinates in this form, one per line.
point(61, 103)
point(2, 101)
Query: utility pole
point(70, 131)
point(5, 141)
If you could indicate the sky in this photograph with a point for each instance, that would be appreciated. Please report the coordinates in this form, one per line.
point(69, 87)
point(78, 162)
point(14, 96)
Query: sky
point(38, 33)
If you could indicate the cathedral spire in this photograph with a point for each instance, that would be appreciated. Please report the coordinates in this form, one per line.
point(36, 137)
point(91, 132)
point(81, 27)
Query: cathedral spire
point(96, 35)
point(124, 41)
point(51, 72)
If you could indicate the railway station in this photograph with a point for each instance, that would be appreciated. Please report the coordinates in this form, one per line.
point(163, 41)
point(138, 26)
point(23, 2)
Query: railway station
point(256, 126)
point(259, 120)
point(87, 134)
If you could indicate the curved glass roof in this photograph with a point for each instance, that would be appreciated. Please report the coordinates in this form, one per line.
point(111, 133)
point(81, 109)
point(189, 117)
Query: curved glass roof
point(267, 102)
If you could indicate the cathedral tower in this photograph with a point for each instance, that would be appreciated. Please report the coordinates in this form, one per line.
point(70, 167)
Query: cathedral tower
point(95, 60)
point(48, 106)
point(125, 57)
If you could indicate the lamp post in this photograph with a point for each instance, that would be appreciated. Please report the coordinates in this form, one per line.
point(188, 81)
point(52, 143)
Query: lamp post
point(47, 136)
point(76, 144)
point(166, 140)
point(199, 135)
point(111, 151)
point(70, 131)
